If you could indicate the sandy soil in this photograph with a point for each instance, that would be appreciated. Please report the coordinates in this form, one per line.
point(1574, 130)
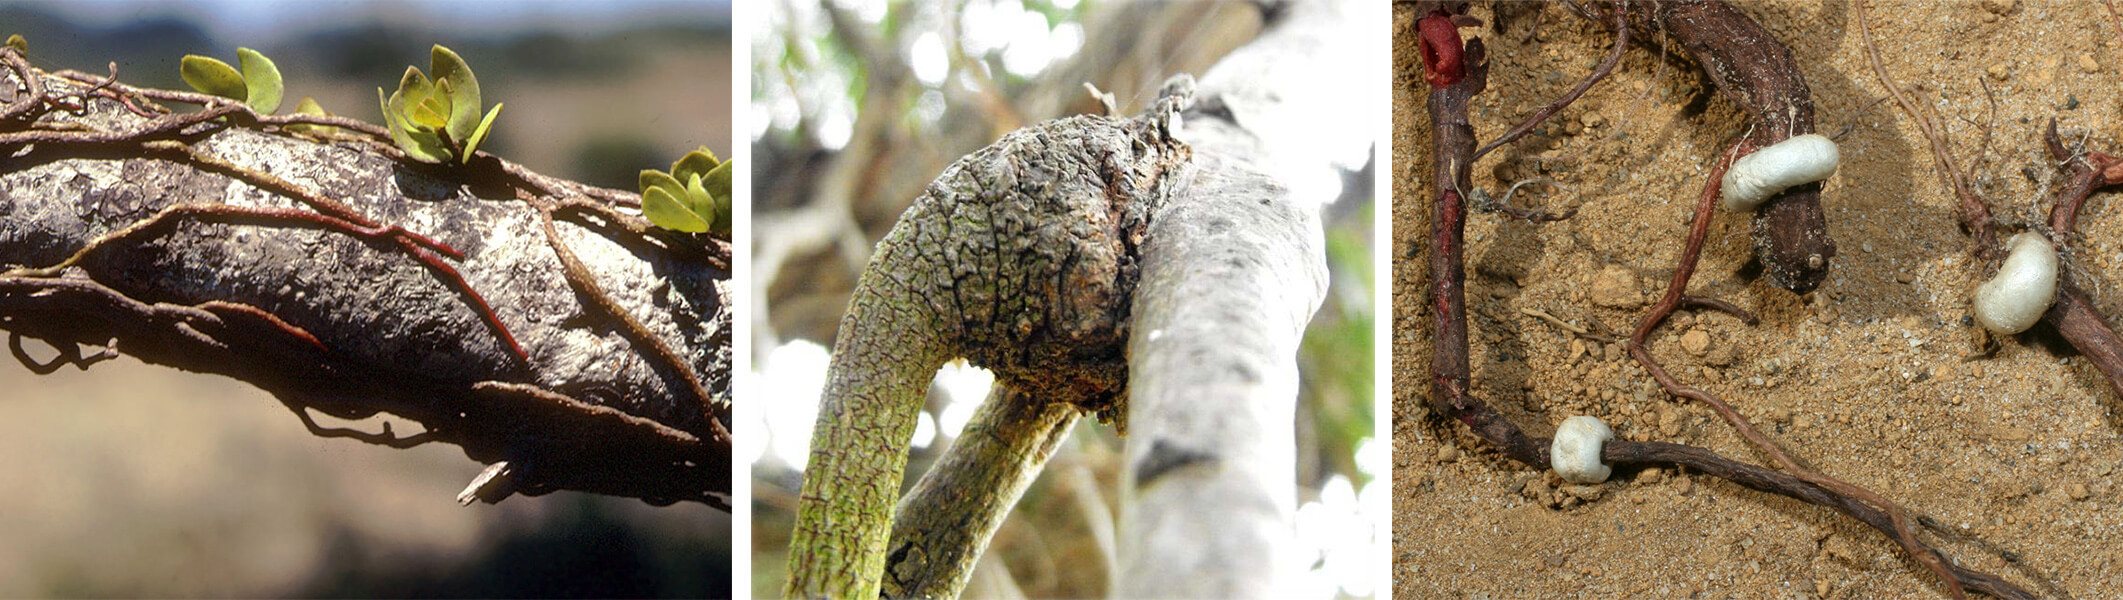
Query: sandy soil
point(1866, 377)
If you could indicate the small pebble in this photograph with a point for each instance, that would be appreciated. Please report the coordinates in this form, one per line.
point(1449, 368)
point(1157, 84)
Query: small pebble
point(1594, 118)
point(2088, 64)
point(1447, 453)
point(1998, 71)
point(1535, 490)
point(1695, 341)
point(1615, 287)
point(1587, 493)
point(1651, 476)
point(1719, 356)
point(2076, 491)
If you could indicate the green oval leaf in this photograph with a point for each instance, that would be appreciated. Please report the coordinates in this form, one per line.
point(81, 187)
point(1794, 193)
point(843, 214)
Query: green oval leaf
point(723, 217)
point(261, 79)
point(694, 163)
point(211, 76)
point(309, 106)
point(651, 178)
point(413, 87)
point(479, 134)
point(718, 182)
point(427, 146)
point(664, 210)
point(431, 114)
point(463, 90)
point(698, 200)
point(390, 117)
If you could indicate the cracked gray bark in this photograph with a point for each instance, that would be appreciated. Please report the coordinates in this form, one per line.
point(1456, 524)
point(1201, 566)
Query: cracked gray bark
point(1233, 268)
point(941, 529)
point(590, 411)
point(1019, 258)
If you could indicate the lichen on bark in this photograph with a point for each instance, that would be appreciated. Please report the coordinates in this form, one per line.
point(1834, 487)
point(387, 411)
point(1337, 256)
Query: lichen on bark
point(1020, 258)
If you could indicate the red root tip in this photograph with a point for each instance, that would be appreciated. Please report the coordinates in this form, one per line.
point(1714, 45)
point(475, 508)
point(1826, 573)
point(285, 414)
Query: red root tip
point(1443, 54)
point(2111, 168)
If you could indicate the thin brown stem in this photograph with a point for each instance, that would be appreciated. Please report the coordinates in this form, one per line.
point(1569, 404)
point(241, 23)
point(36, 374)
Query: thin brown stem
point(1621, 42)
point(1975, 215)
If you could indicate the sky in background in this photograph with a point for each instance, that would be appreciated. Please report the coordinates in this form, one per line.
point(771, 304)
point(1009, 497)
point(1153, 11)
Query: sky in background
point(223, 18)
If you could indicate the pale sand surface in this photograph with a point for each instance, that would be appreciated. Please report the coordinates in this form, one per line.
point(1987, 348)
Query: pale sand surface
point(1865, 377)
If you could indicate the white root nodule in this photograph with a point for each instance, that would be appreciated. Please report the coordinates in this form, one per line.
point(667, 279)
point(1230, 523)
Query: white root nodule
point(1755, 177)
point(2023, 289)
point(1575, 453)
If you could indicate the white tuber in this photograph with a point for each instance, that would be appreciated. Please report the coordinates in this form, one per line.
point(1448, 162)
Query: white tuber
point(1576, 450)
point(1755, 177)
point(2023, 288)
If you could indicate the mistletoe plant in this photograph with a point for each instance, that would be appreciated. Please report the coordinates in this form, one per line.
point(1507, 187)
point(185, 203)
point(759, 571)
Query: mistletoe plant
point(258, 85)
point(694, 197)
point(435, 120)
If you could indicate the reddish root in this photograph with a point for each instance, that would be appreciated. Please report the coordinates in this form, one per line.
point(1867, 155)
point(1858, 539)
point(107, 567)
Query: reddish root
point(1444, 57)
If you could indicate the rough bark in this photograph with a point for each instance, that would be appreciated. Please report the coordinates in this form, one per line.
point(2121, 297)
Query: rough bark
point(229, 280)
point(1019, 258)
point(942, 527)
point(1233, 270)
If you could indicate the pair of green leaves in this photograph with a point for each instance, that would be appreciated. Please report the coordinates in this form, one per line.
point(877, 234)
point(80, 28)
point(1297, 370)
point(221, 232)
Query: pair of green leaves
point(258, 85)
point(435, 120)
point(694, 197)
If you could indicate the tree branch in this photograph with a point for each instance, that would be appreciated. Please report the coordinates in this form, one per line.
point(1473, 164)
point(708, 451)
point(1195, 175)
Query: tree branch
point(344, 280)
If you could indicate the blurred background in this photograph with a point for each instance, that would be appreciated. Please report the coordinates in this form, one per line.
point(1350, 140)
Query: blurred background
point(858, 105)
point(131, 480)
